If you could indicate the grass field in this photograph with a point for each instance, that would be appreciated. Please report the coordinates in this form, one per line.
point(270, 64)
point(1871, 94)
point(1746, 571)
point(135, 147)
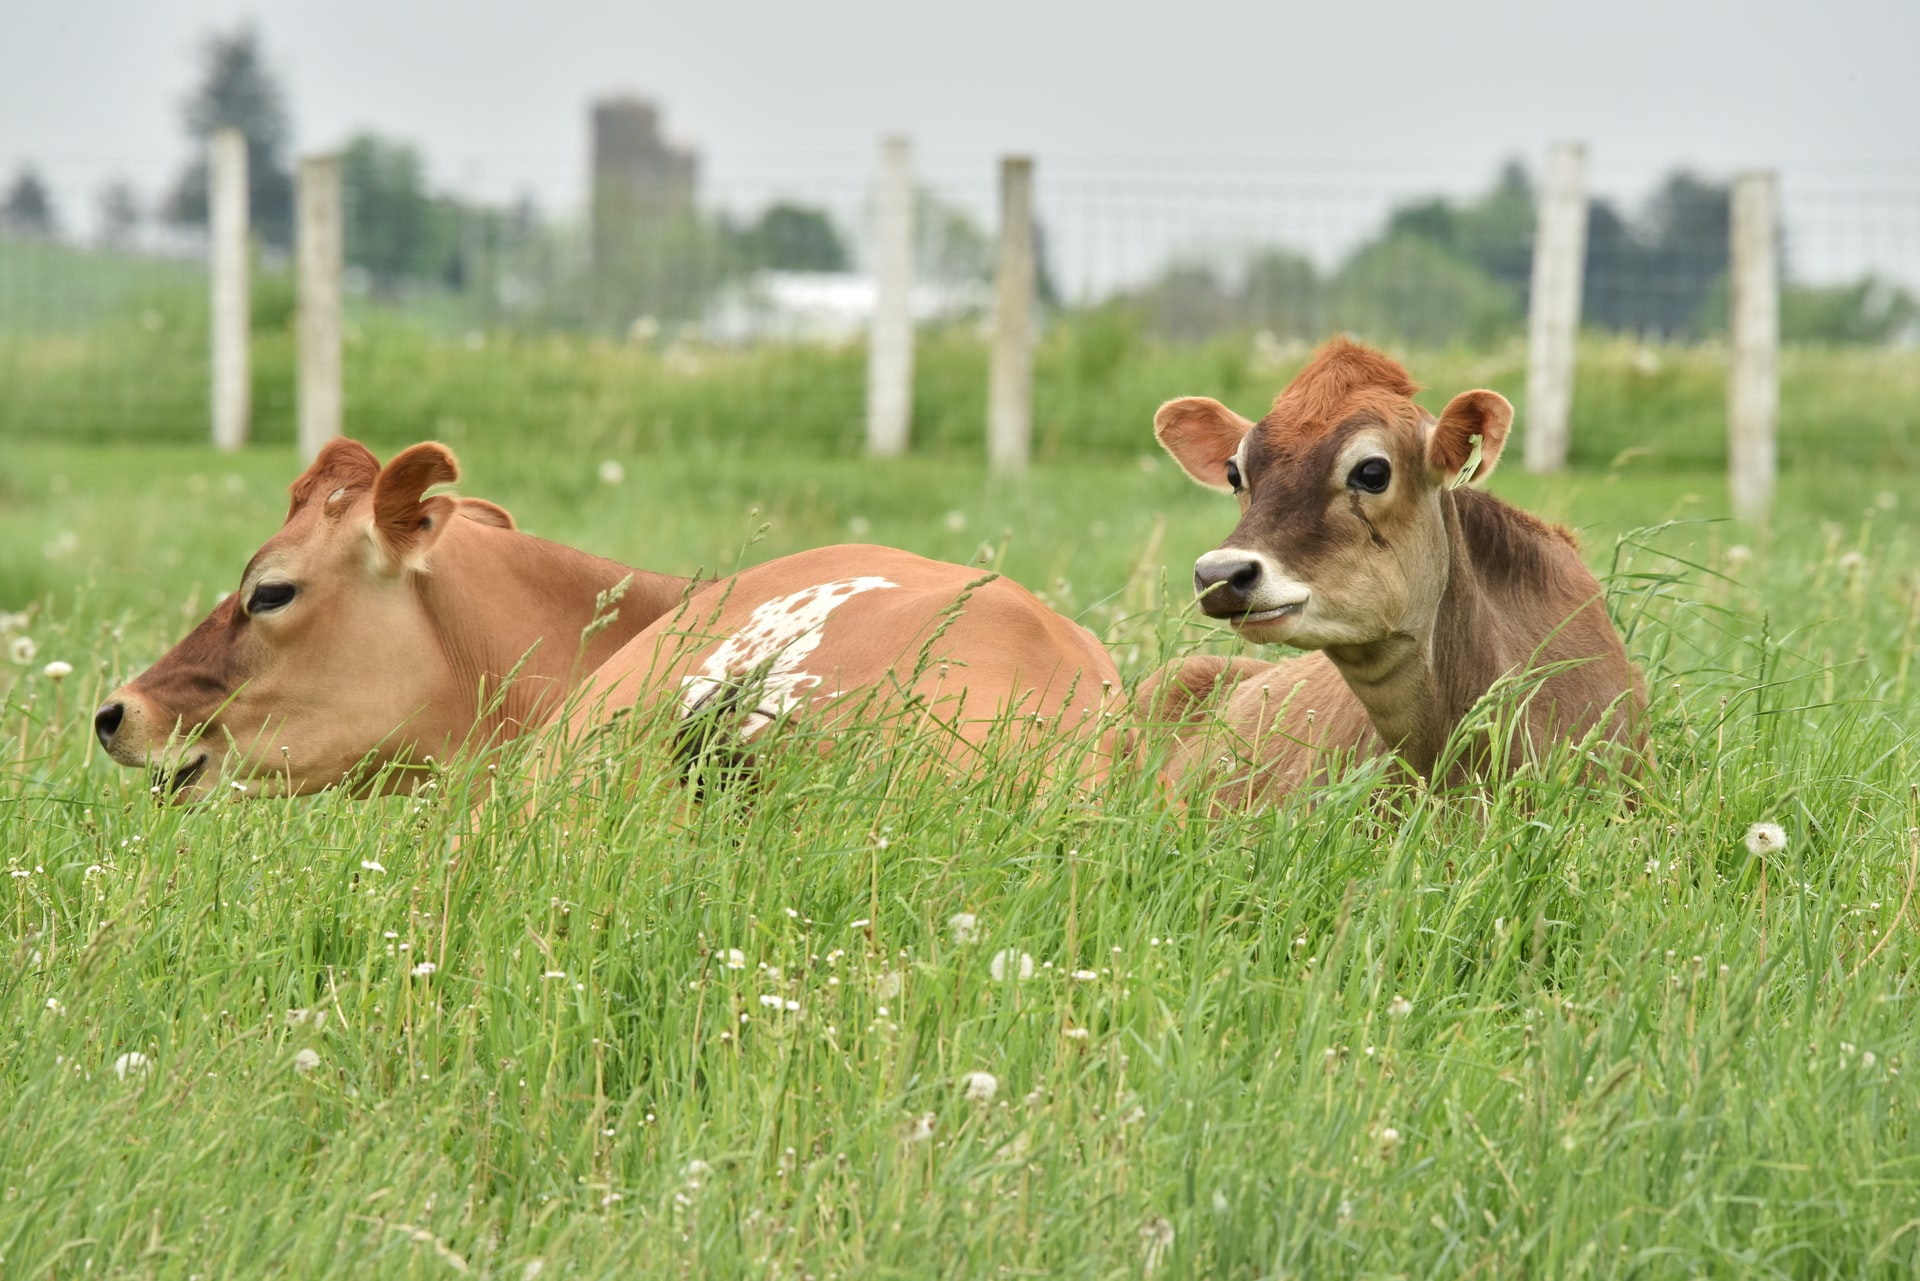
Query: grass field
point(1524, 1031)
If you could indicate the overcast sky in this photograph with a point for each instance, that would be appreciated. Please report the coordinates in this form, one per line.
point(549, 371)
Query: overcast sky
point(797, 92)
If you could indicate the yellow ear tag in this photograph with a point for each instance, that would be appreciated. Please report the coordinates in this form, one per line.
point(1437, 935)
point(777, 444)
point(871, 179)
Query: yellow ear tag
point(1472, 465)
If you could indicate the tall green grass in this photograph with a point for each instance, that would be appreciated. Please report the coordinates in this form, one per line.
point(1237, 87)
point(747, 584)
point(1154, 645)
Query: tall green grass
point(1527, 1029)
point(139, 375)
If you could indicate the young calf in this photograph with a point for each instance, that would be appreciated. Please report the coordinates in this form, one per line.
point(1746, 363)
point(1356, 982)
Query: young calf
point(1358, 540)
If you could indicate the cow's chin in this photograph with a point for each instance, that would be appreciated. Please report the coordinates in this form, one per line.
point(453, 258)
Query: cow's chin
point(199, 775)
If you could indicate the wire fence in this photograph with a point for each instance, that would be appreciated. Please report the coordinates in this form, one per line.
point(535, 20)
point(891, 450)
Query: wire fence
point(736, 311)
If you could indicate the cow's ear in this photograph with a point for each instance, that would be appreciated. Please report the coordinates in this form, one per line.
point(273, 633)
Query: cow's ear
point(341, 464)
point(1482, 414)
point(406, 524)
point(487, 513)
point(1203, 435)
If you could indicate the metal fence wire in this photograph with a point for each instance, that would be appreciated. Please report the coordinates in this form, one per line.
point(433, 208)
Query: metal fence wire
point(488, 311)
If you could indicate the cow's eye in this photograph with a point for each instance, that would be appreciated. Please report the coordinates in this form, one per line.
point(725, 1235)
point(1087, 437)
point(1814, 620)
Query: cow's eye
point(268, 597)
point(1233, 475)
point(1371, 475)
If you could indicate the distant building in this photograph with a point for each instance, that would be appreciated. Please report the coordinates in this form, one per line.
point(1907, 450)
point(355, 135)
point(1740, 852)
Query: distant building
point(639, 176)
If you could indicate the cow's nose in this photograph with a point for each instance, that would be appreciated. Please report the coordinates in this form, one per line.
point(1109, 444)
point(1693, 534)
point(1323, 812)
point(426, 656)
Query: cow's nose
point(106, 722)
point(1225, 584)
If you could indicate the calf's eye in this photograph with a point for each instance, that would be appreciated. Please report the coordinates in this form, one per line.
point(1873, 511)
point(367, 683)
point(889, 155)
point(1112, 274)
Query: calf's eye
point(268, 597)
point(1233, 475)
point(1371, 475)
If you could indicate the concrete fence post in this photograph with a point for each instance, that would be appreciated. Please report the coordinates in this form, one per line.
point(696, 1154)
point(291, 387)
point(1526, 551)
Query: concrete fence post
point(1553, 320)
point(227, 260)
point(1753, 315)
point(890, 339)
point(319, 257)
point(1010, 386)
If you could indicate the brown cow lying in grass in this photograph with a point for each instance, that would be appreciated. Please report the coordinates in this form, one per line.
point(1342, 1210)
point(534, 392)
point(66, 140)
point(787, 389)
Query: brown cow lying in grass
point(1358, 540)
point(381, 627)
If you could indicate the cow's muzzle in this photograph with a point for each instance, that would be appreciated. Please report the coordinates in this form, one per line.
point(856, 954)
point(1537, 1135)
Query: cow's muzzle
point(1246, 587)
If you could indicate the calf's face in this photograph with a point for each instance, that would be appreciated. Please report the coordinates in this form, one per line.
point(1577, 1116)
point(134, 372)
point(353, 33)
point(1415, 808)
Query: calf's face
point(323, 660)
point(1341, 540)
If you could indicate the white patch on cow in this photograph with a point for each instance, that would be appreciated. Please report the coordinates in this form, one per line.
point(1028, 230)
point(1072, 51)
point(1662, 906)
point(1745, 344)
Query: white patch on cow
point(777, 638)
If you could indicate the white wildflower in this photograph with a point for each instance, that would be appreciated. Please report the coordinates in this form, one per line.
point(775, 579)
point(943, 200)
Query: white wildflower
point(964, 926)
point(1011, 964)
point(132, 1062)
point(1075, 1034)
point(1086, 976)
point(612, 473)
point(553, 974)
point(771, 1000)
point(424, 970)
point(305, 1061)
point(922, 1128)
point(22, 650)
point(736, 959)
point(57, 670)
point(1156, 1238)
point(1389, 1140)
point(1766, 838)
point(1399, 1007)
point(372, 865)
point(980, 1086)
point(54, 1005)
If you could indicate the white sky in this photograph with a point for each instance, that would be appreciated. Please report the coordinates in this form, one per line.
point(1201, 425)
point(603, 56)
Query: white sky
point(1390, 98)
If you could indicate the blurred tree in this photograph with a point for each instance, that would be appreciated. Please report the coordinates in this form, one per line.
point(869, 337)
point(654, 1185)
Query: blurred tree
point(1685, 239)
point(1189, 302)
point(1870, 310)
point(1412, 289)
point(28, 206)
point(1283, 294)
point(792, 237)
point(950, 247)
point(119, 211)
point(239, 90)
point(393, 229)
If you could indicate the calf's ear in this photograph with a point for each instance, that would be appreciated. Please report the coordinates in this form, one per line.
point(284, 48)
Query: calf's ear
point(1482, 414)
point(1202, 435)
point(479, 509)
point(406, 524)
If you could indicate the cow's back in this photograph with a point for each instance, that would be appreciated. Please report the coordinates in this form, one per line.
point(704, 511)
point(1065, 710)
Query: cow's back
point(850, 634)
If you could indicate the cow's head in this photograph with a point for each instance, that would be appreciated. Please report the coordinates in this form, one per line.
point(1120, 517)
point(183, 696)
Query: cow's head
point(1342, 539)
point(325, 658)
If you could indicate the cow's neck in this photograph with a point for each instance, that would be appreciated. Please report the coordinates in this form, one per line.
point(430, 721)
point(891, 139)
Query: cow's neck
point(1417, 684)
point(503, 600)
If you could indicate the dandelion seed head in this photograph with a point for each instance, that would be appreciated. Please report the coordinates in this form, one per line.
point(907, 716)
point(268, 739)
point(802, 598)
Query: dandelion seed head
point(306, 1060)
point(1764, 839)
point(131, 1063)
point(1399, 1007)
point(965, 925)
point(57, 670)
point(1009, 964)
point(22, 650)
point(980, 1087)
